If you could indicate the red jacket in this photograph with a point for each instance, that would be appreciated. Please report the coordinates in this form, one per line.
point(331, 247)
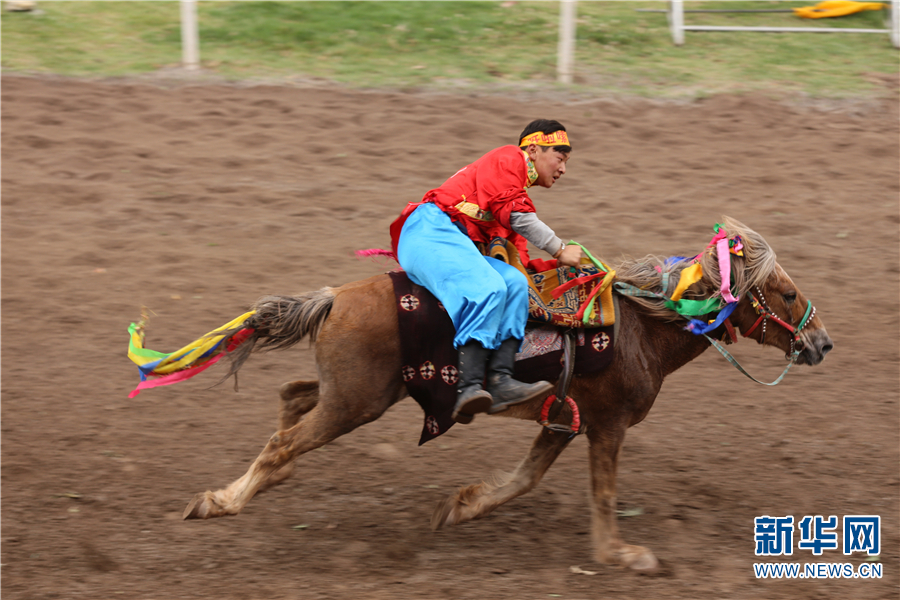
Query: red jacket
point(482, 196)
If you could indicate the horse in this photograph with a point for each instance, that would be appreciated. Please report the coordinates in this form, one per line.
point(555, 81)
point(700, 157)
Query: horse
point(358, 356)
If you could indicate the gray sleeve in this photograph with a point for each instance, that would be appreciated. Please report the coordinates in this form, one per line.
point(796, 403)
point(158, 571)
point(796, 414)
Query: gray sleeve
point(535, 231)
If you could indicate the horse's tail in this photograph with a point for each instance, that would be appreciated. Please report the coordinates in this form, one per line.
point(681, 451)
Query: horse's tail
point(274, 322)
point(282, 321)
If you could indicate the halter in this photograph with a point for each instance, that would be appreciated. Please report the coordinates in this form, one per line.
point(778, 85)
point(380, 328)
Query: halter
point(762, 309)
point(765, 313)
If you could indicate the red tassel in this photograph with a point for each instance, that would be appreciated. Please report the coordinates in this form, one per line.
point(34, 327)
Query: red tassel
point(374, 252)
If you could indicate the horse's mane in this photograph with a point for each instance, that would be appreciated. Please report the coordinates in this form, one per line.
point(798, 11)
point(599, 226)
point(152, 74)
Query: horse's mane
point(748, 271)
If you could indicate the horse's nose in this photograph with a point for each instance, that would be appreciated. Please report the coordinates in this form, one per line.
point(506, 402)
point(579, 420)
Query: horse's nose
point(823, 343)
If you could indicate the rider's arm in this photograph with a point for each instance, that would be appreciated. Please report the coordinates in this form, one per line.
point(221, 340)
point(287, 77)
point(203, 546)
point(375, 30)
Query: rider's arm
point(530, 227)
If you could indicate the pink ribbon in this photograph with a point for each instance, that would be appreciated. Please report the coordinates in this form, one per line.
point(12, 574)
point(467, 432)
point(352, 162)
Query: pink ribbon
point(724, 267)
point(174, 377)
point(236, 340)
point(716, 238)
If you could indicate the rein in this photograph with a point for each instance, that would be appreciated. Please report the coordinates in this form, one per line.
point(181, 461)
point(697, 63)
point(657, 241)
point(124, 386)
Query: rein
point(765, 313)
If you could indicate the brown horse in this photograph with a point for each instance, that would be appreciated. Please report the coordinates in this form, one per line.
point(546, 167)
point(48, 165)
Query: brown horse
point(355, 330)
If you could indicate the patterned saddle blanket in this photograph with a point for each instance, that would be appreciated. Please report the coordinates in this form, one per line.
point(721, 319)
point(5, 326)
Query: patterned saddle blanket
point(563, 296)
point(430, 361)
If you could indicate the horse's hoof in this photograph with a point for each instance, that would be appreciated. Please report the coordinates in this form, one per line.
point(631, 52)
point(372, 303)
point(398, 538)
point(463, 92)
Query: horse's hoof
point(202, 506)
point(639, 559)
point(442, 512)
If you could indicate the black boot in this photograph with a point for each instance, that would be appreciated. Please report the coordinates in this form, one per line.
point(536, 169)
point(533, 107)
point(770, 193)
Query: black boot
point(505, 390)
point(471, 398)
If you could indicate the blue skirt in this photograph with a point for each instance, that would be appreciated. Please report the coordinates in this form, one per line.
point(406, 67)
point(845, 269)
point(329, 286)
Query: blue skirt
point(486, 298)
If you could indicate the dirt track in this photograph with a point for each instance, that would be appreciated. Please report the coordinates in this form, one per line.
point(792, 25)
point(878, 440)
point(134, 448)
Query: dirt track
point(195, 200)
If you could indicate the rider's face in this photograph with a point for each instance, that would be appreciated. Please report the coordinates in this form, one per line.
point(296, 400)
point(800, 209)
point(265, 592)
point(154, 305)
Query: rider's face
point(549, 164)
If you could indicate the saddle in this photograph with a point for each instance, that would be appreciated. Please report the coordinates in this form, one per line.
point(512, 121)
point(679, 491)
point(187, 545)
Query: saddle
point(563, 296)
point(560, 341)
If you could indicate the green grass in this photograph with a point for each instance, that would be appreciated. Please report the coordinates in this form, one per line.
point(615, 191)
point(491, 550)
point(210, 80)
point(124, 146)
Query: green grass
point(452, 44)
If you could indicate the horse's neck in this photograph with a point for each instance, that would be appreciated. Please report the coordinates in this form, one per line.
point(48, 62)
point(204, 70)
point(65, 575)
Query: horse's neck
point(673, 346)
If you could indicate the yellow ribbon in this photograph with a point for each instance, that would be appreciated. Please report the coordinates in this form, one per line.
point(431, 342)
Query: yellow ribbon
point(689, 277)
point(189, 353)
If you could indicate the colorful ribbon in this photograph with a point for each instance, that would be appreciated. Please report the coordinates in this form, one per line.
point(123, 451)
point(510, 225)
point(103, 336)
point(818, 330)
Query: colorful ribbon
point(723, 306)
point(725, 270)
point(588, 310)
point(182, 364)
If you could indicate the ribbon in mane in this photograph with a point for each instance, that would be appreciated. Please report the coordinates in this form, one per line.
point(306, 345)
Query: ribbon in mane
point(723, 303)
point(196, 357)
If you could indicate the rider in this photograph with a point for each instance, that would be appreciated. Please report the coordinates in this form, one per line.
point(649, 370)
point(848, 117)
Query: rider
point(486, 298)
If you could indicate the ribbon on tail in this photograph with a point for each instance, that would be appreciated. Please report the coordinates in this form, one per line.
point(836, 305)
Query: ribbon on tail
point(196, 357)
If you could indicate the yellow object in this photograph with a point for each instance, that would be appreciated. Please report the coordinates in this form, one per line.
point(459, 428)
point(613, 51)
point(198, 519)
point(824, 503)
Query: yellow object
point(474, 211)
point(185, 356)
point(689, 277)
point(557, 138)
point(835, 8)
point(603, 301)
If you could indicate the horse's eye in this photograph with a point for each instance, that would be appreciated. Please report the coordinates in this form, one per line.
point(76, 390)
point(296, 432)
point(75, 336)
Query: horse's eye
point(789, 297)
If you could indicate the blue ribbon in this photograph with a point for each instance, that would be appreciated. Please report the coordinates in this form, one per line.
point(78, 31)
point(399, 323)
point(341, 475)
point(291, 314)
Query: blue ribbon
point(698, 327)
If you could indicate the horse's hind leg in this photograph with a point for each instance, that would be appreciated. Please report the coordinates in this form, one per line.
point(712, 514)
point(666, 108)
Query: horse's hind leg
point(297, 398)
point(326, 422)
point(476, 501)
point(358, 357)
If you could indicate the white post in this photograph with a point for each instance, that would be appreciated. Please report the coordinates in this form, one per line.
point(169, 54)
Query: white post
point(190, 44)
point(676, 21)
point(566, 48)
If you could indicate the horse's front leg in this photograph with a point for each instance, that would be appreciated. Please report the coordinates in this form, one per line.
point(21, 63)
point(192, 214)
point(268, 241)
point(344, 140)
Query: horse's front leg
point(605, 444)
point(476, 501)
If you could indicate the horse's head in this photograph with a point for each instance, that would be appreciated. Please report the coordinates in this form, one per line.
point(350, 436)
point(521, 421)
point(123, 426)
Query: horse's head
point(756, 296)
point(776, 313)
point(772, 310)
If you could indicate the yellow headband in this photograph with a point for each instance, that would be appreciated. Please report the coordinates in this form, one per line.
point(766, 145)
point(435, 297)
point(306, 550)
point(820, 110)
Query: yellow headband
point(557, 138)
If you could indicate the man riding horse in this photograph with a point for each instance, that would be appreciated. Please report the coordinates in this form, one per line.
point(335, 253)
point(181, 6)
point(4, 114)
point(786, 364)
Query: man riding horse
point(487, 299)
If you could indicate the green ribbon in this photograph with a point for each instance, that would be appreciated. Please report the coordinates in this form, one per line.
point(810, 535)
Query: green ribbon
point(695, 308)
point(587, 253)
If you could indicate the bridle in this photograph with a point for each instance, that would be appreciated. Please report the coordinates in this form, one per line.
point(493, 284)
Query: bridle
point(765, 313)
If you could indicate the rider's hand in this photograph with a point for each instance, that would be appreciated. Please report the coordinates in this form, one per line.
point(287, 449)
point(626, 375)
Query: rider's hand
point(570, 256)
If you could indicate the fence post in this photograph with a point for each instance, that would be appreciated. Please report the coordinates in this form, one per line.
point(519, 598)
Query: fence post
point(566, 47)
point(190, 45)
point(676, 21)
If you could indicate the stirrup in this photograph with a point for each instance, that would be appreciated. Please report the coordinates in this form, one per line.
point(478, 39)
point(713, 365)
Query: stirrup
point(574, 427)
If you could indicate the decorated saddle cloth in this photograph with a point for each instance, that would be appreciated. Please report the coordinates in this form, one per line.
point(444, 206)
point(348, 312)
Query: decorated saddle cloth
point(563, 296)
point(430, 361)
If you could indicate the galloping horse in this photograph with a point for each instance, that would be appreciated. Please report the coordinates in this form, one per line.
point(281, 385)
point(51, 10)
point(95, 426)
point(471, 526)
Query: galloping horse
point(359, 367)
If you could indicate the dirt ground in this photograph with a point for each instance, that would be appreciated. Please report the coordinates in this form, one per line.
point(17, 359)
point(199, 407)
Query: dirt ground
point(193, 200)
